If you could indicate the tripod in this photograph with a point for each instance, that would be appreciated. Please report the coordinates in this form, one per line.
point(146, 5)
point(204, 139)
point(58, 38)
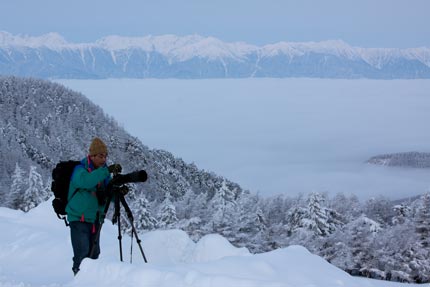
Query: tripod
point(117, 192)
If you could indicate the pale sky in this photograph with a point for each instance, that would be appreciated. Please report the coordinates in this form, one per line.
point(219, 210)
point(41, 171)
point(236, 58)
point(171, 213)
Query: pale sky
point(362, 23)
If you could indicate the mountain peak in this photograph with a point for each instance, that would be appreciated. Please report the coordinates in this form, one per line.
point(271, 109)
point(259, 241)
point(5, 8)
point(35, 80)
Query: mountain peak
point(51, 40)
point(178, 47)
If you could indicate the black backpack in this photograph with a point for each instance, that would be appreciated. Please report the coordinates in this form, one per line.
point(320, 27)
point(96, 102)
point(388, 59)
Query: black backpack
point(61, 176)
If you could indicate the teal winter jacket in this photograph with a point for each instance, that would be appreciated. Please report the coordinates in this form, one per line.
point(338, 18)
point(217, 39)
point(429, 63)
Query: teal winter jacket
point(83, 204)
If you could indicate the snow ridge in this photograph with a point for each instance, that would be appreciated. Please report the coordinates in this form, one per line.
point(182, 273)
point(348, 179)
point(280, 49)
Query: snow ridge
point(186, 47)
point(195, 56)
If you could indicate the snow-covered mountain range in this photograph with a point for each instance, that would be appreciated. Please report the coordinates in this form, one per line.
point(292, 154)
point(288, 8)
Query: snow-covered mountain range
point(194, 56)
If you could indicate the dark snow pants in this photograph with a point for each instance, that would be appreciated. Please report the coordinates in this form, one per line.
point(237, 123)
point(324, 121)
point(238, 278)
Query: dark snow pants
point(83, 235)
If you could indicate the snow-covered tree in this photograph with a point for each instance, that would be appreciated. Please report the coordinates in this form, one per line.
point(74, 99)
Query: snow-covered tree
point(275, 208)
point(401, 214)
point(223, 208)
point(422, 220)
point(167, 214)
point(251, 218)
point(336, 250)
point(33, 195)
point(144, 219)
point(360, 235)
point(193, 214)
point(315, 217)
point(17, 189)
point(349, 207)
point(420, 264)
point(250, 226)
point(318, 219)
point(222, 202)
point(379, 209)
point(393, 251)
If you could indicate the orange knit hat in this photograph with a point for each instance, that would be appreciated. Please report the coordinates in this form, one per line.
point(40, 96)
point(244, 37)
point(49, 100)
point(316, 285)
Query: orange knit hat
point(97, 146)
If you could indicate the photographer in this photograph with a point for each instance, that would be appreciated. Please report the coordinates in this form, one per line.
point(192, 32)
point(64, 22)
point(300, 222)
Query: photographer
point(87, 193)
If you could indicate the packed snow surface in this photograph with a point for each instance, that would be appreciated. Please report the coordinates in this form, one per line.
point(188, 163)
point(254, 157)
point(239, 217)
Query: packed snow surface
point(35, 250)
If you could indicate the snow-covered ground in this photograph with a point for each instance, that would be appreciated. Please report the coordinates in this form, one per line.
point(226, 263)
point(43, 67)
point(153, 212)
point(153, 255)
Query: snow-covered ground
point(35, 250)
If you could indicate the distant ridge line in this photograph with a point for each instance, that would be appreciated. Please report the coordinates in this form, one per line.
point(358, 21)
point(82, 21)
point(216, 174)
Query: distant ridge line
point(194, 56)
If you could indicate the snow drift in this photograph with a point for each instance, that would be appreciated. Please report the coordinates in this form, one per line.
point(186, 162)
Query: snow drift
point(35, 250)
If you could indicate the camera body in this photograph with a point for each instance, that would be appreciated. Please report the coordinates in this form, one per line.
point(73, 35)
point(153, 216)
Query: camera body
point(118, 183)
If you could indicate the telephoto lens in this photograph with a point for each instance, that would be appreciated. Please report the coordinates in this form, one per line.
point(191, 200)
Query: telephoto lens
point(136, 176)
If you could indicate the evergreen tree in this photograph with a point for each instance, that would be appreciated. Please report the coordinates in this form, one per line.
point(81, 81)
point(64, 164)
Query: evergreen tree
point(379, 209)
point(275, 209)
point(393, 248)
point(318, 219)
point(251, 217)
point(17, 189)
point(32, 195)
point(223, 207)
point(295, 219)
point(222, 203)
point(167, 215)
point(144, 219)
point(423, 221)
point(336, 250)
point(360, 235)
point(314, 218)
point(251, 224)
point(192, 212)
point(401, 214)
point(349, 207)
point(47, 192)
point(420, 264)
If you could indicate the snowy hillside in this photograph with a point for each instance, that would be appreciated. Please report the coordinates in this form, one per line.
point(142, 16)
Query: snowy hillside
point(35, 250)
point(194, 56)
point(180, 196)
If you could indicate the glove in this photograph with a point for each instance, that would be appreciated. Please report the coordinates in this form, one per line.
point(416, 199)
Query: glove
point(115, 168)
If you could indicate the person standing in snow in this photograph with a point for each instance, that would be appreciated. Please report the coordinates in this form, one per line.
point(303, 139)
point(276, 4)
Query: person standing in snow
point(86, 202)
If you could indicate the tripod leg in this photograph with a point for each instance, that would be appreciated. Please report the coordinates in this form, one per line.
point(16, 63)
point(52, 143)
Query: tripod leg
point(118, 218)
point(131, 249)
point(97, 237)
point(138, 242)
point(133, 229)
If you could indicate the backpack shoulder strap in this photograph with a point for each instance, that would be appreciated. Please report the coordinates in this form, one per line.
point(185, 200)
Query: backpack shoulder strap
point(76, 190)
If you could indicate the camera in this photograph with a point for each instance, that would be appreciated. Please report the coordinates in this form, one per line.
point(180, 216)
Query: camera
point(117, 183)
point(136, 176)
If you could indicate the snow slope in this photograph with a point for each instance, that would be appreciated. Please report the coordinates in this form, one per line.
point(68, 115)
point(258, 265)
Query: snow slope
point(35, 251)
